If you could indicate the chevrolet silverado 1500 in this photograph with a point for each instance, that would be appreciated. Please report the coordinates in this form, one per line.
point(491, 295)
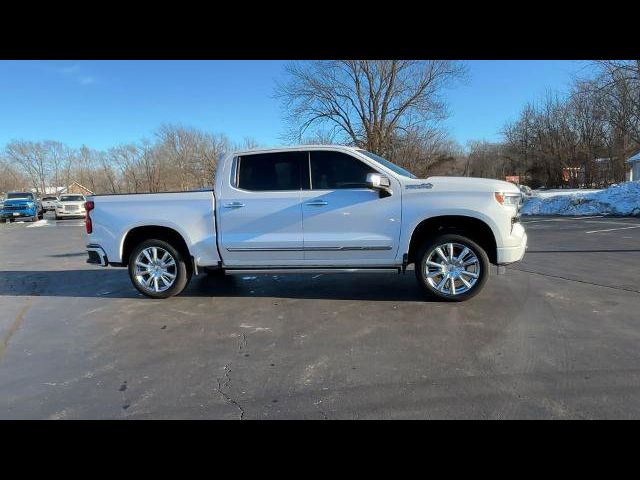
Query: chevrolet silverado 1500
point(310, 208)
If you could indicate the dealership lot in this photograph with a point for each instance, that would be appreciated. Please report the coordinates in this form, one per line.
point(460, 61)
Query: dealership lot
point(556, 336)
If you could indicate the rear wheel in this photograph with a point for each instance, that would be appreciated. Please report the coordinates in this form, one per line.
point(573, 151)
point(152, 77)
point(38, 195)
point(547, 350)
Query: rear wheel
point(157, 269)
point(452, 267)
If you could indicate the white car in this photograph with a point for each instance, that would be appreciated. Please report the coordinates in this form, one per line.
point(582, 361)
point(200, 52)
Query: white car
point(70, 205)
point(49, 203)
point(312, 208)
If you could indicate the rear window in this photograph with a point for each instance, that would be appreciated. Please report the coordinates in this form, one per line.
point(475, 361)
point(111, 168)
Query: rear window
point(271, 171)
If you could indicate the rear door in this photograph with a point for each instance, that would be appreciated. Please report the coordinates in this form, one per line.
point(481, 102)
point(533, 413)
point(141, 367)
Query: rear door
point(345, 223)
point(259, 210)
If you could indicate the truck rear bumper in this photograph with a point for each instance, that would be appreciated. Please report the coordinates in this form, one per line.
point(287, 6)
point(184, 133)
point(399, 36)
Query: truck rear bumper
point(97, 255)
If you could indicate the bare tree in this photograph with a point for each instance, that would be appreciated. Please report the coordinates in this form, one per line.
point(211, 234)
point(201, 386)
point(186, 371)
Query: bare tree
point(11, 178)
point(367, 103)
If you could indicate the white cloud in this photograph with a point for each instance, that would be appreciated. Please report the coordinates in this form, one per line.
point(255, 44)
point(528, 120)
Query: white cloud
point(77, 74)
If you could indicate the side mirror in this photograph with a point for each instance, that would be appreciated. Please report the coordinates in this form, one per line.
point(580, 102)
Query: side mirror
point(377, 181)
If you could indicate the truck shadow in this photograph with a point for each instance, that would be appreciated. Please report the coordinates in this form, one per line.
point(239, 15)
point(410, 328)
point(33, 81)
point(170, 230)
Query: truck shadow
point(114, 283)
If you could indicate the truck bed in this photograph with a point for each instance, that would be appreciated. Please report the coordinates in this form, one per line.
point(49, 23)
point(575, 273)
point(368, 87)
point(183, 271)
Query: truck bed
point(191, 214)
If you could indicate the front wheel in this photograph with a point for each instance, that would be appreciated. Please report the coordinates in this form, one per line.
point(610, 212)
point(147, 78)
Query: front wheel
point(158, 270)
point(452, 267)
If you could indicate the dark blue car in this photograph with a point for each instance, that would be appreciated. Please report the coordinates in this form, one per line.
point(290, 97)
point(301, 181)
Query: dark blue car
point(20, 205)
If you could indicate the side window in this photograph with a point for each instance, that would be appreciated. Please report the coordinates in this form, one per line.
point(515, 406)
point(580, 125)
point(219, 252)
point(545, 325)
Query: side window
point(335, 170)
point(271, 171)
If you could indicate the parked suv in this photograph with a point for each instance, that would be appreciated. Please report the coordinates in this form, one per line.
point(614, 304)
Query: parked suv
point(70, 205)
point(21, 205)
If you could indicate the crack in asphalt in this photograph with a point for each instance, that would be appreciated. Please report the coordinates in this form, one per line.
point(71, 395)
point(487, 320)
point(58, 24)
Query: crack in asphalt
point(242, 344)
point(15, 326)
point(227, 384)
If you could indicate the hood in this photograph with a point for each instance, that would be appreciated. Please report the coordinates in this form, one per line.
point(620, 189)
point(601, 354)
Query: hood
point(467, 184)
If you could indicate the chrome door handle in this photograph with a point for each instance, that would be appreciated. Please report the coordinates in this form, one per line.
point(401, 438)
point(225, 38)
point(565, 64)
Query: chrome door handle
point(234, 205)
point(317, 203)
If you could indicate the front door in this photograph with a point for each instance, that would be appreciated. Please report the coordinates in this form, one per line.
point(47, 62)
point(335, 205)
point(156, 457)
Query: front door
point(344, 222)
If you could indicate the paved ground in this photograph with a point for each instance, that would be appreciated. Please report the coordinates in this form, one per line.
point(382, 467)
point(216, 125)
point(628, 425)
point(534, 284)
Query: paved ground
point(557, 336)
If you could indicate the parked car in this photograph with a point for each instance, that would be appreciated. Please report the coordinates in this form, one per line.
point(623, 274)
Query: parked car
point(70, 205)
point(49, 203)
point(21, 205)
point(309, 208)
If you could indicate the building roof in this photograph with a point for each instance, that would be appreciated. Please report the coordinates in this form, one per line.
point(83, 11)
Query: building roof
point(81, 186)
point(634, 158)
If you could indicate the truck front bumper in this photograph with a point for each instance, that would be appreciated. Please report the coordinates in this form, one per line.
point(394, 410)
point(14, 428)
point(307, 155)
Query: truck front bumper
point(97, 255)
point(518, 245)
point(6, 214)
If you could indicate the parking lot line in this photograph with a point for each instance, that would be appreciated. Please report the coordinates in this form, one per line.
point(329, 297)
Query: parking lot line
point(562, 219)
point(613, 229)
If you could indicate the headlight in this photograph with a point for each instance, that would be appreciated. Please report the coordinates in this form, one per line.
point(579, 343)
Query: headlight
point(508, 199)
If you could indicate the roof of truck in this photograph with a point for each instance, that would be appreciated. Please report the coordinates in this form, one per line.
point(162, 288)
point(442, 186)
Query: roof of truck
point(295, 148)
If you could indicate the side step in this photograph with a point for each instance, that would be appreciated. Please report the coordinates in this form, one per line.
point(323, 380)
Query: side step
point(234, 271)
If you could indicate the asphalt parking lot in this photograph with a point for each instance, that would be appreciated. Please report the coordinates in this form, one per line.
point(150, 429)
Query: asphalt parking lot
point(556, 336)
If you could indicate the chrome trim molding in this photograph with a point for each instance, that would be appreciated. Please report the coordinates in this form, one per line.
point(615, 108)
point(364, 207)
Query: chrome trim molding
point(304, 249)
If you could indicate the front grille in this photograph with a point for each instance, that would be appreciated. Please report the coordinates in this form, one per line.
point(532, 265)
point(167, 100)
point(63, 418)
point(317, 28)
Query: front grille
point(14, 207)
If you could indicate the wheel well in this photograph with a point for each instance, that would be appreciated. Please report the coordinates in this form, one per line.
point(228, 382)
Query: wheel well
point(474, 229)
point(140, 234)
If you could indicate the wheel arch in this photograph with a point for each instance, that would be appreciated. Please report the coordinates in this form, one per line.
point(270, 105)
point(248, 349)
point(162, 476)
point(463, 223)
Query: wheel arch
point(474, 228)
point(139, 234)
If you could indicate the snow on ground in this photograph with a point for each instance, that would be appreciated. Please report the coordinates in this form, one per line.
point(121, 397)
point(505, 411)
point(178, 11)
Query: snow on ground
point(620, 199)
point(563, 191)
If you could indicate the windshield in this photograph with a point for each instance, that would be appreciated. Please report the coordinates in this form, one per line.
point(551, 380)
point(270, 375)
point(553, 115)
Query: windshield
point(45, 199)
point(20, 195)
point(72, 198)
point(388, 164)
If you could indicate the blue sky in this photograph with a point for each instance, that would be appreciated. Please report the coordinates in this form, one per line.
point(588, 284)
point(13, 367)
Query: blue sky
point(104, 103)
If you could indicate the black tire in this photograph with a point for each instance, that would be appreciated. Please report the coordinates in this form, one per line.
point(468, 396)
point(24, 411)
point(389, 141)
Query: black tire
point(57, 217)
point(482, 266)
point(182, 272)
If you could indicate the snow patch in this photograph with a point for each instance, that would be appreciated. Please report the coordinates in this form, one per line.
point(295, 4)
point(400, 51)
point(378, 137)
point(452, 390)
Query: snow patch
point(40, 223)
point(620, 199)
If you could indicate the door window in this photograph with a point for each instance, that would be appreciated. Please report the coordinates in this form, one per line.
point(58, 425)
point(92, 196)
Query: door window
point(272, 171)
point(337, 170)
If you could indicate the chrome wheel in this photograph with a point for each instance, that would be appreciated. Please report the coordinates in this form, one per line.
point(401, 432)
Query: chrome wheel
point(155, 269)
point(452, 268)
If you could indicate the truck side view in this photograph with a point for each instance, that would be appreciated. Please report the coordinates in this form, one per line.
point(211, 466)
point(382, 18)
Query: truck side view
point(312, 208)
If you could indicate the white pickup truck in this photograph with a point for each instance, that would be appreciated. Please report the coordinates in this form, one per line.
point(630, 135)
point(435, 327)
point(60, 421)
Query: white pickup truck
point(312, 208)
